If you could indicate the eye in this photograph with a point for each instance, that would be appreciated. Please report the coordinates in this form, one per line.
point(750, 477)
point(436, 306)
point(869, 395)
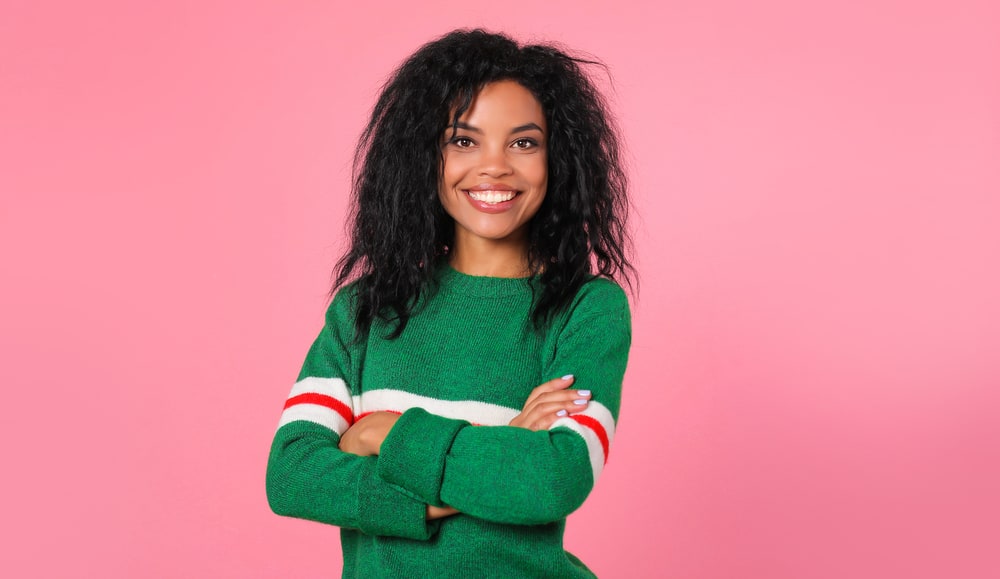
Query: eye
point(461, 142)
point(524, 143)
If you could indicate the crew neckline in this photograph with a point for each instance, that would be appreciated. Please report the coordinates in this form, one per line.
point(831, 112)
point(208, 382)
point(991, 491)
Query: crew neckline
point(451, 279)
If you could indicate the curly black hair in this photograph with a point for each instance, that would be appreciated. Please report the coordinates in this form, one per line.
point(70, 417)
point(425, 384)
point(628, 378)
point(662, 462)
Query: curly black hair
point(399, 229)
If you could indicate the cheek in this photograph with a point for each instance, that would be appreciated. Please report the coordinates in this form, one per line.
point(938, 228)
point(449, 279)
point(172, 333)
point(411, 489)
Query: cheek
point(540, 173)
point(453, 169)
point(446, 189)
point(532, 170)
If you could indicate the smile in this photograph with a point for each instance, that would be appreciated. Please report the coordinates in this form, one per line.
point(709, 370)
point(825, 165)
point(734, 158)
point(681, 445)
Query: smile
point(492, 197)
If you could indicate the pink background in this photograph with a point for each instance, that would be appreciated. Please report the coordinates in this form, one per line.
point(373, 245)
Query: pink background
point(813, 389)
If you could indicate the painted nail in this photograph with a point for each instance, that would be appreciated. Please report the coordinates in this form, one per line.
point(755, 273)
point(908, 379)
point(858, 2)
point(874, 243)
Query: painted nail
point(583, 392)
point(567, 377)
point(580, 402)
point(561, 413)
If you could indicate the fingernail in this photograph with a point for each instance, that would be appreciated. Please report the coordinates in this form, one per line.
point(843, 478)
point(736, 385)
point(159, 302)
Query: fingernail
point(580, 402)
point(583, 392)
point(561, 413)
point(567, 377)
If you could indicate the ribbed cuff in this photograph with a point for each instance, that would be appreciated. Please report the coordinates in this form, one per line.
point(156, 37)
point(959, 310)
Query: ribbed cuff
point(413, 454)
point(385, 509)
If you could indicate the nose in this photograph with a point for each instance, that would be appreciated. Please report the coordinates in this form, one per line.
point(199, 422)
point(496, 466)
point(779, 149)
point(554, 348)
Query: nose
point(494, 162)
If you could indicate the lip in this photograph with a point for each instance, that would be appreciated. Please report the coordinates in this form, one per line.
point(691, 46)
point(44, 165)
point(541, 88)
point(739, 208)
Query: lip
point(492, 187)
point(492, 208)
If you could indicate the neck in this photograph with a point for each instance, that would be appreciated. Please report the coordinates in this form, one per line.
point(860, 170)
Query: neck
point(484, 257)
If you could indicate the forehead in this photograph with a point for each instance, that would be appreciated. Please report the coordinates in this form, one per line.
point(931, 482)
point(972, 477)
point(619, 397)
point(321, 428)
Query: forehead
point(504, 102)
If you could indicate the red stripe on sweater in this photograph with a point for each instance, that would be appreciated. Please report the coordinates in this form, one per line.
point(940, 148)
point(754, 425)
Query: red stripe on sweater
point(598, 429)
point(363, 414)
point(323, 400)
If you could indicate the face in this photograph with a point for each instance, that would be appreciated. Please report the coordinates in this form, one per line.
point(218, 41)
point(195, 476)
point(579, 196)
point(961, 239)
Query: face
point(495, 171)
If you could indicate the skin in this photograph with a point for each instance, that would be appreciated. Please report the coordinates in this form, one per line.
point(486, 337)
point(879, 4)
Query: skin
point(500, 142)
point(500, 145)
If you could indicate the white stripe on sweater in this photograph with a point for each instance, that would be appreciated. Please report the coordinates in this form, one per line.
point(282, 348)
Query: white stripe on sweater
point(315, 413)
point(600, 413)
point(473, 411)
point(333, 387)
point(482, 413)
point(595, 449)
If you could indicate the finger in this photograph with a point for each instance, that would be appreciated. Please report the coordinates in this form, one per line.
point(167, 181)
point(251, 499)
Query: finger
point(565, 397)
point(545, 421)
point(543, 415)
point(550, 386)
point(549, 403)
point(562, 396)
point(562, 408)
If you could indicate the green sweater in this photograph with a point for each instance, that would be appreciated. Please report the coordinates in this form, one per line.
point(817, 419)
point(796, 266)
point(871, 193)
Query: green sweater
point(458, 374)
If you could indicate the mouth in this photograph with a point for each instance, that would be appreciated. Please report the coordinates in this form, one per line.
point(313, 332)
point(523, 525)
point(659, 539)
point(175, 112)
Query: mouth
point(491, 196)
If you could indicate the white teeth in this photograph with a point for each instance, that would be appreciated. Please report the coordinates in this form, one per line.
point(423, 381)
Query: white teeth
point(492, 196)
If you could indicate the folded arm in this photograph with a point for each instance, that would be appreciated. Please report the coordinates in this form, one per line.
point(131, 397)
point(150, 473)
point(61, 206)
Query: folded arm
point(509, 474)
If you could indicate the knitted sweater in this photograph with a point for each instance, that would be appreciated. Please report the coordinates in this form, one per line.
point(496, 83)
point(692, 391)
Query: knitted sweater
point(458, 374)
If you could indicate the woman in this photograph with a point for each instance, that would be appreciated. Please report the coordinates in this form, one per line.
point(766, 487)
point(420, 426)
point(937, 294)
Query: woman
point(460, 401)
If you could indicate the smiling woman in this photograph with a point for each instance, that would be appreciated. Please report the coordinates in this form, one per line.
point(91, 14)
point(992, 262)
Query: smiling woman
point(462, 398)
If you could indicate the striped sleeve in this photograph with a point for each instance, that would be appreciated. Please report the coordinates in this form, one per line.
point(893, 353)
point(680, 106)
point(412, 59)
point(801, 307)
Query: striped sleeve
point(594, 346)
point(308, 476)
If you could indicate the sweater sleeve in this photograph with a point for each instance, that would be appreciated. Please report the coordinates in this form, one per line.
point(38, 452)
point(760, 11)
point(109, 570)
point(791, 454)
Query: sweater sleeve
point(308, 476)
point(514, 475)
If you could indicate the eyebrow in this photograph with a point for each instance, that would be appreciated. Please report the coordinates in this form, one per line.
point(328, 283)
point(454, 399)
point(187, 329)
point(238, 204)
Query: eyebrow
point(517, 129)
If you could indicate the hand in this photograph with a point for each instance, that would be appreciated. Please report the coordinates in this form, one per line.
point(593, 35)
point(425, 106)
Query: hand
point(440, 512)
point(550, 402)
point(364, 437)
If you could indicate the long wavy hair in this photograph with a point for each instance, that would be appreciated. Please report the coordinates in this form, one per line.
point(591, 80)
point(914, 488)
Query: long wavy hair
point(399, 229)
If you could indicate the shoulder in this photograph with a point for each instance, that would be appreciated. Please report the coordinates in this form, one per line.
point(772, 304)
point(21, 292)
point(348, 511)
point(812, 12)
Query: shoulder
point(342, 310)
point(596, 327)
point(597, 296)
point(600, 302)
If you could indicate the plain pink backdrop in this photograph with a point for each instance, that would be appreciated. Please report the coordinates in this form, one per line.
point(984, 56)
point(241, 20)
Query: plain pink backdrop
point(813, 388)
